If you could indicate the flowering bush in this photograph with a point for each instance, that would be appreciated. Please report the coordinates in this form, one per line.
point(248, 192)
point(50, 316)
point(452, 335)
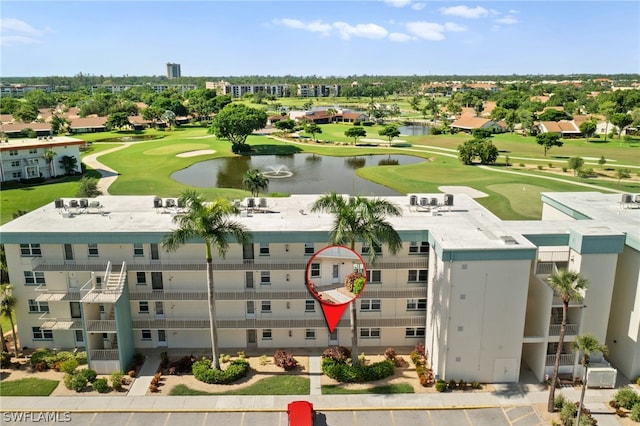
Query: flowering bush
point(284, 359)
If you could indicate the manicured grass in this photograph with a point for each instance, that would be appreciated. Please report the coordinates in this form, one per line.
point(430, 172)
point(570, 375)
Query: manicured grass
point(6, 324)
point(276, 385)
point(28, 387)
point(387, 389)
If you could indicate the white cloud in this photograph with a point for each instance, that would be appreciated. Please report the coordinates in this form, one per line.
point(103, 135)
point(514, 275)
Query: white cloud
point(513, 12)
point(12, 40)
point(19, 26)
point(453, 27)
point(400, 37)
point(418, 6)
point(315, 26)
point(16, 31)
point(426, 30)
point(507, 20)
point(360, 30)
point(397, 3)
point(465, 11)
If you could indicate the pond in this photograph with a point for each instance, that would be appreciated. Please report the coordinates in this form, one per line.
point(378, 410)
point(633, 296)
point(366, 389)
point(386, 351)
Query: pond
point(294, 174)
point(414, 130)
point(132, 138)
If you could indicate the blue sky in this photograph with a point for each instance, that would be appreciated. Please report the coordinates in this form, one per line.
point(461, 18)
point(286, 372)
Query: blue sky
point(322, 38)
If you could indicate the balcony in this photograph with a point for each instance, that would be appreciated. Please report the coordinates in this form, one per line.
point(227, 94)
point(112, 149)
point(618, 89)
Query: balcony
point(101, 326)
point(565, 359)
point(56, 295)
point(550, 261)
point(60, 323)
point(571, 330)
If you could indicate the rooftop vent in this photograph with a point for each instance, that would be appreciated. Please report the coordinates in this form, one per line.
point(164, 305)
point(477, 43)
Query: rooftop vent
point(263, 202)
point(413, 200)
point(84, 203)
point(448, 199)
point(157, 202)
point(251, 202)
point(73, 203)
point(508, 240)
point(169, 202)
point(59, 203)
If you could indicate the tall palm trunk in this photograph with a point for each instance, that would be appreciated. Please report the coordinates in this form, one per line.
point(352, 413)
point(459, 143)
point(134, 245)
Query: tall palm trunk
point(585, 364)
point(4, 343)
point(353, 317)
point(215, 362)
point(556, 365)
point(13, 332)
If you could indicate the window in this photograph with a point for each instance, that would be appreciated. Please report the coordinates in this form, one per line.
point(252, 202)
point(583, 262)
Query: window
point(33, 151)
point(417, 275)
point(422, 247)
point(15, 163)
point(30, 250)
point(376, 247)
point(101, 308)
point(416, 304)
point(35, 306)
point(265, 277)
point(314, 272)
point(79, 336)
point(370, 333)
point(93, 250)
point(374, 276)
point(370, 305)
point(310, 334)
point(75, 309)
point(414, 332)
point(34, 278)
point(310, 305)
point(40, 334)
point(308, 249)
point(138, 250)
point(146, 334)
point(141, 278)
point(266, 306)
point(266, 334)
point(16, 175)
point(13, 153)
point(264, 249)
point(143, 307)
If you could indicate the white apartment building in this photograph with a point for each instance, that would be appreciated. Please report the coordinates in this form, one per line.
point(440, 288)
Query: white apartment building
point(467, 284)
point(238, 90)
point(24, 158)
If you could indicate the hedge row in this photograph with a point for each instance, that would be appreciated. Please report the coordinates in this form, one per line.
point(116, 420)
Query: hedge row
point(345, 373)
point(235, 371)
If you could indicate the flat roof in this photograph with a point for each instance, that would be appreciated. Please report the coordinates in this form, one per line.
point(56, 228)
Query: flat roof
point(13, 144)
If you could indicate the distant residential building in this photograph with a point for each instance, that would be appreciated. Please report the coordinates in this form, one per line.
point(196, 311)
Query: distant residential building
point(173, 71)
point(24, 158)
point(238, 90)
point(319, 90)
point(467, 123)
point(118, 88)
point(21, 89)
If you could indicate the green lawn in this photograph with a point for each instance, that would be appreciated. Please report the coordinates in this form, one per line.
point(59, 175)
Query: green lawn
point(276, 385)
point(6, 324)
point(387, 389)
point(28, 387)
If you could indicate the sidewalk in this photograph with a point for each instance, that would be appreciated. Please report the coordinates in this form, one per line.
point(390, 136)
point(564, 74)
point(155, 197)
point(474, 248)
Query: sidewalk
point(142, 382)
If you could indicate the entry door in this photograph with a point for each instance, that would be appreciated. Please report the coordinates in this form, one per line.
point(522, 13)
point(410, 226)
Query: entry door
point(162, 338)
point(333, 337)
point(68, 252)
point(251, 309)
point(248, 279)
point(252, 339)
point(156, 281)
point(155, 255)
point(159, 309)
point(335, 277)
point(247, 252)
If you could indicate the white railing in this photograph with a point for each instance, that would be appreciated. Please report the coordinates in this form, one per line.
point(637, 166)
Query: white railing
point(104, 355)
point(571, 330)
point(565, 359)
point(101, 326)
point(553, 256)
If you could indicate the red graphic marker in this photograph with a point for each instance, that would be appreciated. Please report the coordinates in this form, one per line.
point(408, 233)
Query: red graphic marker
point(336, 276)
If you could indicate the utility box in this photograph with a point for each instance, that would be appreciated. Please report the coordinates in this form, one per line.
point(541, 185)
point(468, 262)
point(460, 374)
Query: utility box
point(601, 376)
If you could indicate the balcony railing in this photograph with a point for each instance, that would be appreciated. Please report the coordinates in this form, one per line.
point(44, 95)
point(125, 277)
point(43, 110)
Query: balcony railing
point(60, 323)
point(571, 330)
point(565, 359)
point(553, 256)
point(104, 355)
point(101, 326)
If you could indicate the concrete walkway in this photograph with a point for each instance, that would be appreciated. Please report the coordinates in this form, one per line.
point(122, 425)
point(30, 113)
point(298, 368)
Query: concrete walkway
point(141, 383)
point(108, 175)
point(315, 374)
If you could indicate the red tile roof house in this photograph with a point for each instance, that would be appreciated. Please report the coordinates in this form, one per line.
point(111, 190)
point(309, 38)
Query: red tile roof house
point(467, 123)
point(88, 125)
point(351, 117)
point(565, 128)
point(15, 129)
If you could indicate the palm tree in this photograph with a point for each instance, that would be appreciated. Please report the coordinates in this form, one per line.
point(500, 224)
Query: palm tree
point(7, 306)
point(209, 222)
point(363, 219)
point(254, 181)
point(49, 155)
point(589, 345)
point(569, 286)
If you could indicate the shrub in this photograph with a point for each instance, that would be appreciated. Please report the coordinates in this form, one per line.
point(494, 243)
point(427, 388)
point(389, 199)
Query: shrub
point(390, 353)
point(346, 373)
point(626, 398)
point(67, 380)
point(182, 365)
point(441, 385)
point(540, 167)
point(101, 385)
point(81, 357)
point(521, 164)
point(350, 282)
point(475, 385)
point(116, 380)
point(462, 384)
point(5, 360)
point(564, 169)
point(638, 381)
point(78, 382)
point(224, 358)
point(131, 373)
point(398, 361)
point(236, 370)
point(89, 374)
point(362, 359)
point(242, 355)
point(68, 366)
point(339, 354)
point(284, 359)
point(635, 412)
point(41, 366)
point(452, 384)
point(558, 401)
point(39, 355)
point(153, 388)
point(568, 413)
point(263, 360)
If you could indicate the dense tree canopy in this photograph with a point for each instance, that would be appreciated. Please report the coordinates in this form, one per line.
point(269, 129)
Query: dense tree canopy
point(355, 132)
point(237, 121)
point(548, 141)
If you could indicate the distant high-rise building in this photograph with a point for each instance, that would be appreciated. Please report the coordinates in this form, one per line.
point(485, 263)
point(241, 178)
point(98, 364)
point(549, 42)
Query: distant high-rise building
point(173, 71)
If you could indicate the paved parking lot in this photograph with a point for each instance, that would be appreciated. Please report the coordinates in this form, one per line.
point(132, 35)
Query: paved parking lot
point(499, 416)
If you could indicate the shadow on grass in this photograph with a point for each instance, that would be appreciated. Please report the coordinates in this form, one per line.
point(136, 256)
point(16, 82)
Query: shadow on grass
point(273, 150)
point(377, 390)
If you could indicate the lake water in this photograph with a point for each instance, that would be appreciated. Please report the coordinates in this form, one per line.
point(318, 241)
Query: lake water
point(294, 174)
point(414, 130)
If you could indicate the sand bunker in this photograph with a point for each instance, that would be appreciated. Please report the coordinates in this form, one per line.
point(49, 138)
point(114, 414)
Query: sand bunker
point(196, 153)
point(473, 193)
